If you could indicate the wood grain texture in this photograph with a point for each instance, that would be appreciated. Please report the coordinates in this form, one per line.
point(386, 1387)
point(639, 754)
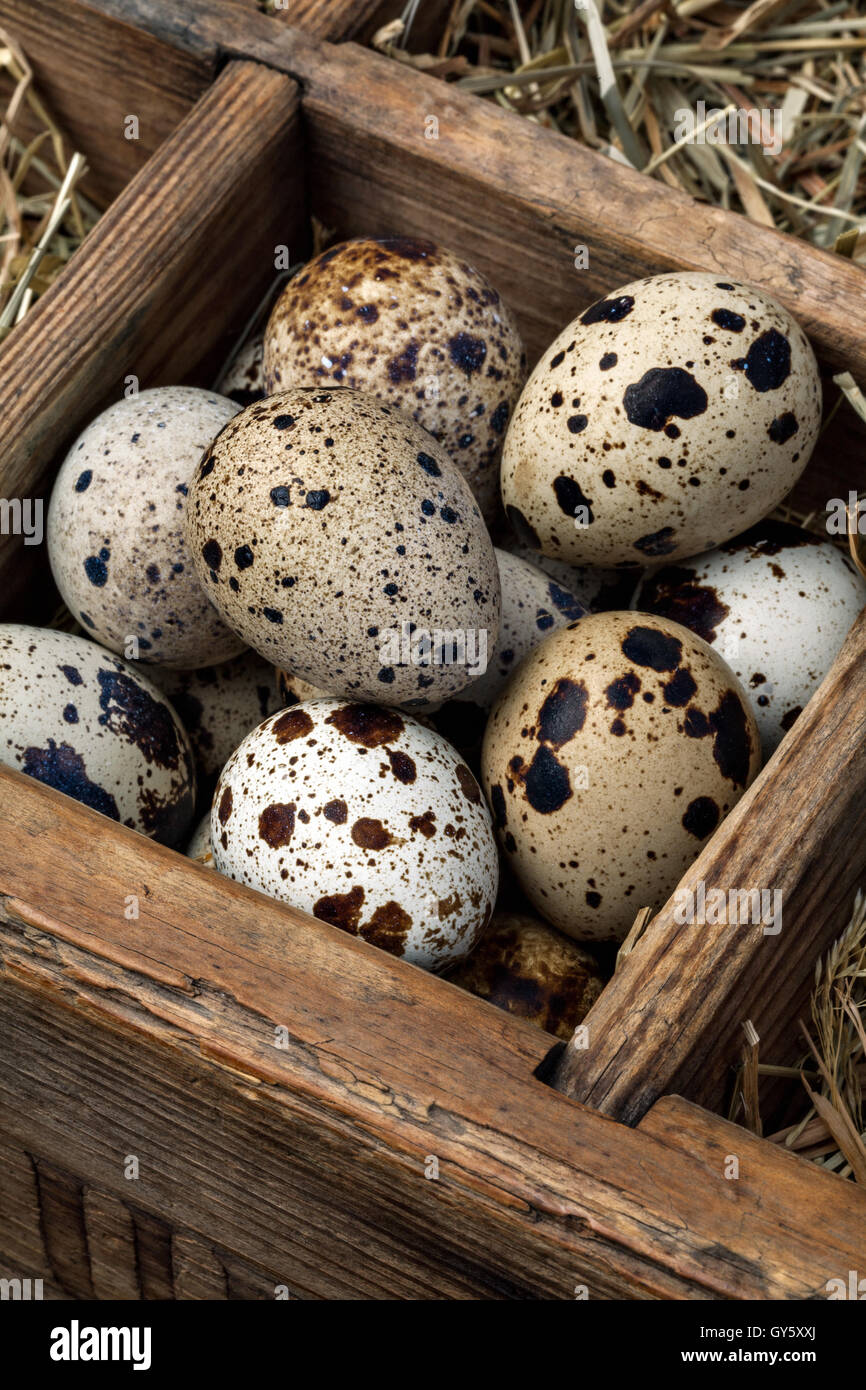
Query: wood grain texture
point(670, 1019)
point(155, 291)
point(93, 71)
point(155, 1037)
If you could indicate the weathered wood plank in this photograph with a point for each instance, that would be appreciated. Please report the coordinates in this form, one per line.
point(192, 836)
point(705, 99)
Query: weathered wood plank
point(93, 71)
point(155, 292)
point(156, 1036)
point(670, 1019)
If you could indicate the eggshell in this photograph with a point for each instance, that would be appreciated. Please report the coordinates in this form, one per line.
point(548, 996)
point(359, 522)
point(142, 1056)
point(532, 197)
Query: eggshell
point(76, 718)
point(417, 327)
point(116, 534)
point(599, 590)
point(219, 705)
point(366, 819)
point(666, 418)
point(776, 603)
point(525, 967)
point(615, 751)
point(244, 379)
point(199, 847)
point(533, 605)
point(324, 526)
point(292, 690)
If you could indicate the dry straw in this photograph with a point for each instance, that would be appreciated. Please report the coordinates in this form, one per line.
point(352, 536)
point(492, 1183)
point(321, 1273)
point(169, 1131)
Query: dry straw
point(44, 216)
point(616, 75)
point(832, 1129)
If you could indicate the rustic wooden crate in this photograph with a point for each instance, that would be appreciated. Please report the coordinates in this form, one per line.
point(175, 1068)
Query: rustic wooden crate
point(304, 1166)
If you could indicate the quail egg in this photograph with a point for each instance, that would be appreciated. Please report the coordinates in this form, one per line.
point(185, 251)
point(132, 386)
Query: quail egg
point(417, 327)
point(116, 528)
point(218, 706)
point(243, 381)
point(615, 751)
point(340, 541)
point(76, 718)
point(665, 419)
point(529, 969)
point(361, 816)
point(776, 603)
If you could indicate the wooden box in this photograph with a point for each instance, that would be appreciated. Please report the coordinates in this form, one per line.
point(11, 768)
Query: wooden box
point(284, 1087)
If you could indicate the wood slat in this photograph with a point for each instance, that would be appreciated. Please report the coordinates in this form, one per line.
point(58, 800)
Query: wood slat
point(670, 1019)
point(93, 71)
point(155, 292)
point(156, 1037)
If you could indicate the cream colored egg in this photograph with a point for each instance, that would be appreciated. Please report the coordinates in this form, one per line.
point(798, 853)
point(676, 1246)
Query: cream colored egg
point(366, 819)
point(199, 847)
point(72, 715)
point(340, 541)
point(613, 755)
point(665, 419)
point(417, 327)
point(116, 528)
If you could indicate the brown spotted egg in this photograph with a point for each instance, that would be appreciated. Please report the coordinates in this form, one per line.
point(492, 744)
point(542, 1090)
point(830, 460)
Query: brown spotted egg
point(776, 603)
point(116, 528)
point(78, 719)
point(666, 418)
point(366, 819)
point(243, 381)
point(614, 753)
point(417, 327)
point(218, 706)
point(292, 690)
point(530, 970)
point(338, 539)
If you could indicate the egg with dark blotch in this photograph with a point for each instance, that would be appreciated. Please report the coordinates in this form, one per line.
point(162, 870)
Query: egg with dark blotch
point(75, 717)
point(530, 970)
point(777, 603)
point(218, 706)
point(366, 819)
point(243, 381)
point(341, 543)
point(667, 417)
point(292, 690)
point(116, 529)
point(415, 326)
point(616, 750)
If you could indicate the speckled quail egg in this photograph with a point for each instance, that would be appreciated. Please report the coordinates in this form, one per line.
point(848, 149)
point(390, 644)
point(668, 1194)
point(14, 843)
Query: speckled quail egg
point(533, 605)
point(218, 706)
point(776, 603)
point(666, 418)
point(199, 847)
point(366, 819)
point(529, 969)
point(417, 327)
point(116, 528)
point(615, 751)
point(75, 717)
point(243, 381)
point(339, 540)
point(597, 589)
